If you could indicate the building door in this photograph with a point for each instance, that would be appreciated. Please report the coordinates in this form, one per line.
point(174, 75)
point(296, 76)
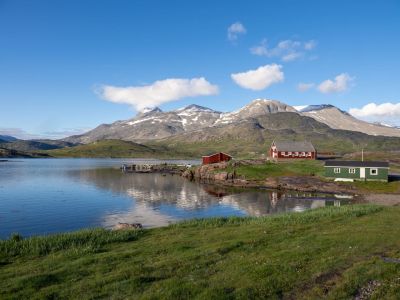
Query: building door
point(362, 173)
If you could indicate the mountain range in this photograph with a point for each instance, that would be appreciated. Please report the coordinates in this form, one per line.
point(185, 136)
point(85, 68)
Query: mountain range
point(196, 130)
point(155, 124)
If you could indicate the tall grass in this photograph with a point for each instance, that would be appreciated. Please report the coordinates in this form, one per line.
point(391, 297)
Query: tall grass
point(92, 240)
point(83, 241)
point(310, 216)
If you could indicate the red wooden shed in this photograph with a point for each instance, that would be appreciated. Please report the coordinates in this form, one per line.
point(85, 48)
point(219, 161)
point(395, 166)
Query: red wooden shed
point(216, 158)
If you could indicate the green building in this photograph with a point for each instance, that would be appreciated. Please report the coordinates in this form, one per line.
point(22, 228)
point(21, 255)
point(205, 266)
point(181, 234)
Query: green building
point(357, 170)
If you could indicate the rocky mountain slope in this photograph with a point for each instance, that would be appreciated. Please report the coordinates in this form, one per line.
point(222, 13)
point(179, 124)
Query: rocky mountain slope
point(338, 119)
point(197, 130)
point(156, 124)
point(255, 135)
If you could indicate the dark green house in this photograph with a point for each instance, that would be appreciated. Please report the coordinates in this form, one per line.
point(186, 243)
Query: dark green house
point(347, 170)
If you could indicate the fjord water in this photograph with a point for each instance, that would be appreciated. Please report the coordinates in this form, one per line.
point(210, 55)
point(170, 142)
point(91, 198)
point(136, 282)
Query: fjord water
point(43, 196)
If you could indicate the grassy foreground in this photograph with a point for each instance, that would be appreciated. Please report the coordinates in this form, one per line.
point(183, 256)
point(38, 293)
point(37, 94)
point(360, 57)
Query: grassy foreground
point(334, 253)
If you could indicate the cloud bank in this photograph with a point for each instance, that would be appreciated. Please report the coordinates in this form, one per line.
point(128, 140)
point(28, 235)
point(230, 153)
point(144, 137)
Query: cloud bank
point(339, 84)
point(159, 92)
point(377, 110)
point(386, 113)
point(260, 78)
point(286, 50)
point(235, 30)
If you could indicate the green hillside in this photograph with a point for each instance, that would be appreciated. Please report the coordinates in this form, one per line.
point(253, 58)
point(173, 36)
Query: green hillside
point(115, 148)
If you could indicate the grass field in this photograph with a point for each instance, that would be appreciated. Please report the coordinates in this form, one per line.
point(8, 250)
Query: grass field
point(115, 148)
point(332, 253)
point(282, 168)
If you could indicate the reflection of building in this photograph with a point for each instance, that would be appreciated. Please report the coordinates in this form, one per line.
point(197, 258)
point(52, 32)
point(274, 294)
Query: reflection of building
point(274, 199)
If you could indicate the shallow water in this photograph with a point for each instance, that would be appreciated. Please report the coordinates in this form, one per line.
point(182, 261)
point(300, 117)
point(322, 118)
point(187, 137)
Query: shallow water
point(42, 196)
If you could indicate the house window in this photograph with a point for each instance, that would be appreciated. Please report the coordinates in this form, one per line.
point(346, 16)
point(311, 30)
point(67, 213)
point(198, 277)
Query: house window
point(373, 171)
point(309, 153)
point(352, 171)
point(303, 154)
point(283, 153)
point(336, 170)
point(296, 154)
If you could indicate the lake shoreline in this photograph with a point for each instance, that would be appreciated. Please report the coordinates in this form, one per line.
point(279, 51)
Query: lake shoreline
point(227, 174)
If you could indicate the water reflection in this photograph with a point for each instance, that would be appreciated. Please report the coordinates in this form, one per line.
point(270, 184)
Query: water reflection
point(162, 199)
point(42, 196)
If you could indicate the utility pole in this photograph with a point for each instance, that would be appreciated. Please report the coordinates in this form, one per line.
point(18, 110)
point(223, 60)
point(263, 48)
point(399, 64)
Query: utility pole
point(362, 154)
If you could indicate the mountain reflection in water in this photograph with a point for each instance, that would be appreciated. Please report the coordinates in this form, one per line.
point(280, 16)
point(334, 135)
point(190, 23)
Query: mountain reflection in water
point(163, 199)
point(43, 196)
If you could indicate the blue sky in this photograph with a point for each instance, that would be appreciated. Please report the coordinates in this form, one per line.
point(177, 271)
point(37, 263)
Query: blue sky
point(66, 66)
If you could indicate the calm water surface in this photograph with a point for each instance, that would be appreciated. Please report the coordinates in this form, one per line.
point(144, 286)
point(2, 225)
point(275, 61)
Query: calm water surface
point(42, 196)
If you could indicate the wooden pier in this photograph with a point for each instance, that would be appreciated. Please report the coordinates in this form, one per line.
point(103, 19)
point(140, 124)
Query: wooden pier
point(154, 168)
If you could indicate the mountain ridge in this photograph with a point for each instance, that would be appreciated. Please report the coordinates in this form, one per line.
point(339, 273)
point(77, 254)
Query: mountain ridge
point(155, 124)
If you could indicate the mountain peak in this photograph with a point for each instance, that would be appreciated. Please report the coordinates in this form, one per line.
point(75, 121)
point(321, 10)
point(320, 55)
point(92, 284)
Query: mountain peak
point(195, 107)
point(317, 107)
point(267, 106)
point(147, 110)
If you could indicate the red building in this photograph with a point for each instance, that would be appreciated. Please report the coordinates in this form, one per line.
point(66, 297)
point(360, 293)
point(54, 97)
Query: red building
point(216, 158)
point(292, 150)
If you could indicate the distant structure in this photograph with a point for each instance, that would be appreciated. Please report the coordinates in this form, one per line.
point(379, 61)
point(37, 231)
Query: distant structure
point(216, 158)
point(357, 170)
point(292, 150)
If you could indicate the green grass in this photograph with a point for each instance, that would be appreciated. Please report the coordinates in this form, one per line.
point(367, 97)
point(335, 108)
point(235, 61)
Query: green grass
point(377, 187)
point(326, 253)
point(115, 148)
point(283, 168)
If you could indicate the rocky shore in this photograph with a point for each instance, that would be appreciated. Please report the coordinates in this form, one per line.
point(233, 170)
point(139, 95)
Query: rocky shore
point(218, 174)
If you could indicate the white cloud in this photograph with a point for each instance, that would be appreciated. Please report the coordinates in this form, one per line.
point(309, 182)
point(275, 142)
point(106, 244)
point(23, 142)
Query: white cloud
point(260, 78)
point(388, 113)
point(286, 50)
point(235, 30)
point(372, 109)
point(310, 45)
point(339, 84)
point(159, 92)
point(303, 87)
point(291, 56)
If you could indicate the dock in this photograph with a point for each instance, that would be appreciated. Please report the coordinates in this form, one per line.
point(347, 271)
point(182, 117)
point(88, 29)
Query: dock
point(154, 168)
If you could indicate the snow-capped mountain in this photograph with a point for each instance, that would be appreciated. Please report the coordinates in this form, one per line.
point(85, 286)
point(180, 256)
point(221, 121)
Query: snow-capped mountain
point(256, 108)
point(154, 124)
point(339, 119)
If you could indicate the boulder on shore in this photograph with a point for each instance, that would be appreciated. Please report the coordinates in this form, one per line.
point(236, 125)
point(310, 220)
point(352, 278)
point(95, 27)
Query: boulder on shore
point(120, 226)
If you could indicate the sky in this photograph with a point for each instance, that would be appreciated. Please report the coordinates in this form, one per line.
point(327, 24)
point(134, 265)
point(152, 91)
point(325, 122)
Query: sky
point(68, 66)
